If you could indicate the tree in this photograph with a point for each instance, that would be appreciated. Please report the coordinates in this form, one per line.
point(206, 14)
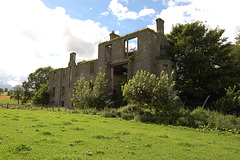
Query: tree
point(1, 90)
point(80, 93)
point(40, 76)
point(202, 59)
point(148, 90)
point(17, 93)
point(35, 79)
point(41, 96)
point(99, 91)
point(6, 90)
point(230, 103)
point(93, 94)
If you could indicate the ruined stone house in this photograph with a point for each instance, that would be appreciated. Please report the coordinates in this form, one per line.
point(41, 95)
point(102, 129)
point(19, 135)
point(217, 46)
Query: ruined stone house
point(120, 58)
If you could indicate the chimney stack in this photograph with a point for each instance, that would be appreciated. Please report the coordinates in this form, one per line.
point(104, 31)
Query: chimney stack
point(160, 25)
point(73, 57)
point(113, 35)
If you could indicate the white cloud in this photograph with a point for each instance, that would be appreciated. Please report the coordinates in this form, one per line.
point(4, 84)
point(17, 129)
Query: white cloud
point(105, 13)
point(146, 12)
point(122, 12)
point(213, 12)
point(34, 36)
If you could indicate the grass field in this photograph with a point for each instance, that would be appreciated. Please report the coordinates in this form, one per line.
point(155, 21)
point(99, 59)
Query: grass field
point(40, 134)
point(4, 99)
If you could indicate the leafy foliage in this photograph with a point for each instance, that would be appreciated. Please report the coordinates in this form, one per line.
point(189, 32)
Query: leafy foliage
point(93, 94)
point(203, 62)
point(230, 103)
point(41, 96)
point(17, 93)
point(1, 90)
point(35, 79)
point(148, 90)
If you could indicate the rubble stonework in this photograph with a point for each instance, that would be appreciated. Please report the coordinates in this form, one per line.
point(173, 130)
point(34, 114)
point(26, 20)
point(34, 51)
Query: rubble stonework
point(120, 58)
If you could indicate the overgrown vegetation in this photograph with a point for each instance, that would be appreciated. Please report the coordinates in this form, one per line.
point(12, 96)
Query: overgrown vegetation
point(41, 96)
point(198, 118)
point(146, 90)
point(93, 94)
point(206, 63)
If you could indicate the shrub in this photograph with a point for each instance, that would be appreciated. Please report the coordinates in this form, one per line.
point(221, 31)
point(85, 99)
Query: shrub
point(93, 94)
point(230, 103)
point(109, 113)
point(148, 118)
point(183, 121)
point(146, 89)
point(227, 122)
point(199, 117)
point(127, 116)
point(129, 109)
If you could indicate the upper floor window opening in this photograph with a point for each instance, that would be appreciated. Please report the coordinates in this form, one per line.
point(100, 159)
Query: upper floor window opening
point(108, 53)
point(63, 90)
point(55, 75)
point(92, 68)
point(162, 51)
point(131, 46)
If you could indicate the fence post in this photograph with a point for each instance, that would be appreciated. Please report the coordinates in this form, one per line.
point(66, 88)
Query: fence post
point(7, 105)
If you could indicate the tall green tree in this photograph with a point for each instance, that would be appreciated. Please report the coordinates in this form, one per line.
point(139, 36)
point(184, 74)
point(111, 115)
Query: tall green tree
point(40, 76)
point(34, 81)
point(203, 62)
point(230, 102)
point(1, 90)
point(17, 93)
point(41, 96)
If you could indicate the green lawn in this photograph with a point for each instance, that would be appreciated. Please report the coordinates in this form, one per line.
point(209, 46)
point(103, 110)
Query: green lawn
point(41, 134)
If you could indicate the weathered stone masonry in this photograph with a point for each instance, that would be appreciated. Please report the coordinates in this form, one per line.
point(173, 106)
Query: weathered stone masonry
point(120, 57)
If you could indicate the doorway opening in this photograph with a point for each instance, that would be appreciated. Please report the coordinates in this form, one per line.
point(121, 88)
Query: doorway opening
point(119, 78)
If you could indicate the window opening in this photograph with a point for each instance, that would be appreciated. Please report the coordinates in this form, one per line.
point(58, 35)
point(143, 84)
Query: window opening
point(53, 92)
point(131, 46)
point(63, 90)
point(108, 53)
point(162, 51)
point(62, 103)
point(92, 68)
point(55, 75)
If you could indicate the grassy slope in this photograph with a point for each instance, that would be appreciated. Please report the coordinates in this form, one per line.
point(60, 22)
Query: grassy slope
point(40, 134)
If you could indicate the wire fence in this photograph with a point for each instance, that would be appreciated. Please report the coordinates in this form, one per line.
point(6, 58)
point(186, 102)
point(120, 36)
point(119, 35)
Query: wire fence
point(35, 107)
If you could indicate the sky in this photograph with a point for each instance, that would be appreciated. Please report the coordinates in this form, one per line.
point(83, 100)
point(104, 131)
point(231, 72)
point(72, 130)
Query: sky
point(41, 33)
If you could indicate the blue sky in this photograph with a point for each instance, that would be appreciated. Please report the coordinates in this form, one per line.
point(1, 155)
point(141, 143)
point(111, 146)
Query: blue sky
point(100, 11)
point(40, 33)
